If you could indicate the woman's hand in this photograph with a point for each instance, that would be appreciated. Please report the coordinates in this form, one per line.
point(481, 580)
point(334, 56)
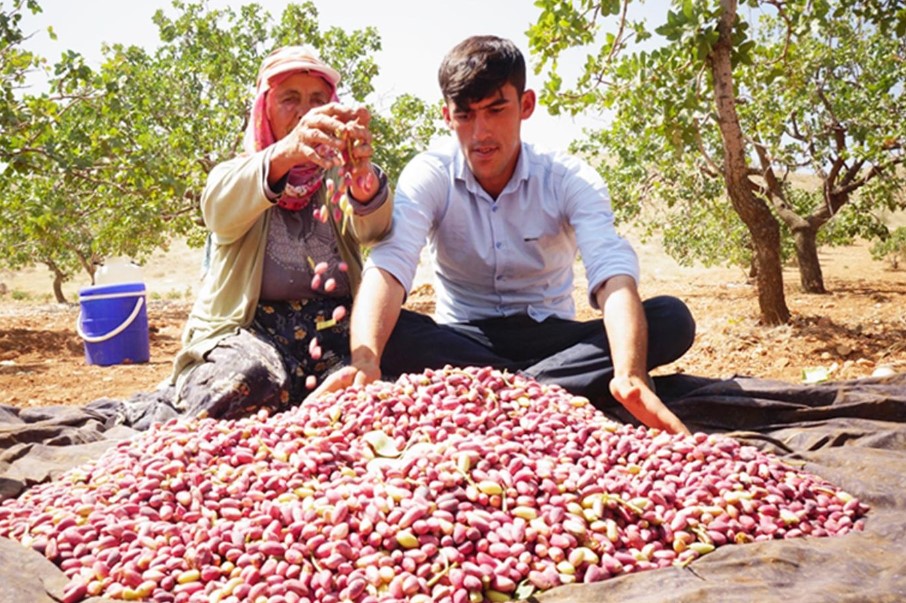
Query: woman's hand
point(362, 182)
point(315, 139)
point(329, 136)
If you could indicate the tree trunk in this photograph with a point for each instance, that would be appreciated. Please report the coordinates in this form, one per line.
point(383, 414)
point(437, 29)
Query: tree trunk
point(769, 278)
point(810, 277)
point(804, 229)
point(58, 279)
point(58, 288)
point(756, 215)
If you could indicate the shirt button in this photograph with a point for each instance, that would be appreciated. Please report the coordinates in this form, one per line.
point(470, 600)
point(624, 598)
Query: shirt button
point(494, 208)
point(499, 277)
point(499, 245)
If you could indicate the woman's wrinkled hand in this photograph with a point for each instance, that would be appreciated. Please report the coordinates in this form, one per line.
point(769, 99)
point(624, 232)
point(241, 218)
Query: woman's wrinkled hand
point(361, 180)
point(332, 135)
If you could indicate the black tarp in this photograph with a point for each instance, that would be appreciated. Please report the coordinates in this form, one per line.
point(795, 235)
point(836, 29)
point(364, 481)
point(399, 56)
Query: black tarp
point(852, 433)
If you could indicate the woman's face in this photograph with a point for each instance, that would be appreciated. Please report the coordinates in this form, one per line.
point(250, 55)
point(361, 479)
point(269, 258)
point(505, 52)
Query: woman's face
point(292, 98)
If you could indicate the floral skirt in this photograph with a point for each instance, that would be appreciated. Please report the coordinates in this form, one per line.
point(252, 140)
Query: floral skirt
point(307, 337)
point(283, 355)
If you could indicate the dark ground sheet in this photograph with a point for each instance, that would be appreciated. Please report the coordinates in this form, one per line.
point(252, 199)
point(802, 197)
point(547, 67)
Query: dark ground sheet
point(852, 433)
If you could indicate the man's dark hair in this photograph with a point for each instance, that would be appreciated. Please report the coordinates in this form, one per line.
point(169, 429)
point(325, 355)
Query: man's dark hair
point(478, 67)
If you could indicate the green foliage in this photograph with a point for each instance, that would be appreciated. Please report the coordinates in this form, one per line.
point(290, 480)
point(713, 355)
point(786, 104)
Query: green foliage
point(891, 248)
point(407, 130)
point(112, 161)
point(687, 236)
point(819, 97)
point(888, 15)
point(15, 65)
point(565, 25)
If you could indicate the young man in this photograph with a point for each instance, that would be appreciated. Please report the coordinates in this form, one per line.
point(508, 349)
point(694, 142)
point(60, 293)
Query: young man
point(504, 223)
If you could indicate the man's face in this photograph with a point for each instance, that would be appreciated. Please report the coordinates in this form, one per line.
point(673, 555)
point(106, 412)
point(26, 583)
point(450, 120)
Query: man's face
point(489, 134)
point(292, 98)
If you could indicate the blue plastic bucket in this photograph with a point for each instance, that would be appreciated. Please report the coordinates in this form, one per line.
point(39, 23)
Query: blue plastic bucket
point(113, 323)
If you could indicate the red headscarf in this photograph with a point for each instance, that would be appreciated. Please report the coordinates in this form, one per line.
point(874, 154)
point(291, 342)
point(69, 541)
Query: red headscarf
point(305, 179)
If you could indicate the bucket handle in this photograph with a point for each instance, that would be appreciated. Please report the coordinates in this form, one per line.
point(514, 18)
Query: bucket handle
point(114, 332)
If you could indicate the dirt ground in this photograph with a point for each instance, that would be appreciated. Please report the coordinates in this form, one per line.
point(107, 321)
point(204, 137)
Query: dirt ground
point(856, 329)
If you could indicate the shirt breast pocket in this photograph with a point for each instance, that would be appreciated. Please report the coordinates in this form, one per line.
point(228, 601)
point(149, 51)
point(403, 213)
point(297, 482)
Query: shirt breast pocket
point(531, 256)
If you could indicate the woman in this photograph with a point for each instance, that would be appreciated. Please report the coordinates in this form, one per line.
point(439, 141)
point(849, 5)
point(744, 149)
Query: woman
point(284, 256)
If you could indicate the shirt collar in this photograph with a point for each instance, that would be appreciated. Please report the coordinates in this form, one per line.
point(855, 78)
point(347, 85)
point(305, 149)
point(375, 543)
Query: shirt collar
point(464, 174)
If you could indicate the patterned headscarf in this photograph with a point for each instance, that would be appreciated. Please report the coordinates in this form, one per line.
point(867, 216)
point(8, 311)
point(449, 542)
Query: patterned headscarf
point(305, 179)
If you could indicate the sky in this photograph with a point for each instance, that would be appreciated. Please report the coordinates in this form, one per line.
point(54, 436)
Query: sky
point(415, 36)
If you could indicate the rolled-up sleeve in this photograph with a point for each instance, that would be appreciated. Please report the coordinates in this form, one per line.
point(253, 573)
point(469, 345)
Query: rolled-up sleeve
point(361, 208)
point(604, 252)
point(420, 196)
point(372, 221)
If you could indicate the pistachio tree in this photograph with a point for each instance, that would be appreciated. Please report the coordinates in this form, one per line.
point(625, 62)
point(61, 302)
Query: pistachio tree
point(23, 121)
point(118, 169)
point(16, 62)
point(737, 128)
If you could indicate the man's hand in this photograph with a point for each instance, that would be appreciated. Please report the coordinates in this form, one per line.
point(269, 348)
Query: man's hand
point(346, 377)
point(627, 333)
point(374, 315)
point(635, 395)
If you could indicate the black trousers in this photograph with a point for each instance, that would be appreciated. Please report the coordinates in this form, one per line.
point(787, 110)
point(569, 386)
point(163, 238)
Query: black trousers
point(572, 354)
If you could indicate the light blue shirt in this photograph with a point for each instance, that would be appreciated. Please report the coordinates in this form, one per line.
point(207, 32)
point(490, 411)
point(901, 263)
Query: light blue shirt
point(513, 255)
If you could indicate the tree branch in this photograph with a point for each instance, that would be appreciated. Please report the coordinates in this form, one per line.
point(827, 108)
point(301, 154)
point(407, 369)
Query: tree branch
point(875, 171)
point(712, 165)
point(618, 38)
point(776, 196)
point(787, 39)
